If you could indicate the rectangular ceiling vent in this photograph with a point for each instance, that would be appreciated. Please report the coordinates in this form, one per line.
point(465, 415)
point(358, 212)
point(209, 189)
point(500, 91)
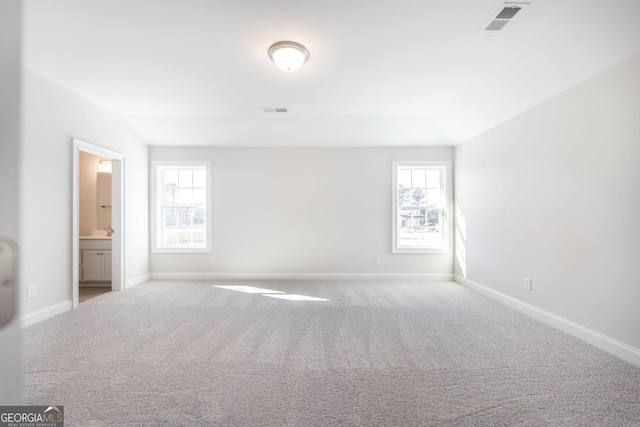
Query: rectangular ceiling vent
point(274, 110)
point(505, 14)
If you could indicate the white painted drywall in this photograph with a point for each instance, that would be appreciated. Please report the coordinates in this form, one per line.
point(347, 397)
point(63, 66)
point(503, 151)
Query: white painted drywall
point(52, 116)
point(301, 210)
point(10, 30)
point(554, 195)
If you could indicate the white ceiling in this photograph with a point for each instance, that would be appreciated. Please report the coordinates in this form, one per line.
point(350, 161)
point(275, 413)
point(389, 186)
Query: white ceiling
point(380, 73)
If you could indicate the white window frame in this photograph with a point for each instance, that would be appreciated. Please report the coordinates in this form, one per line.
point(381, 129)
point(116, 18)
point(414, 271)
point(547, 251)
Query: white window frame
point(158, 167)
point(445, 168)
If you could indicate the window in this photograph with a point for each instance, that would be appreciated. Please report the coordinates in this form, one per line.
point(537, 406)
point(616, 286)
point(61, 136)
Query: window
point(421, 207)
point(181, 206)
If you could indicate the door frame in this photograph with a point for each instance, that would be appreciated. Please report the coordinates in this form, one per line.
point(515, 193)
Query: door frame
point(11, 223)
point(117, 216)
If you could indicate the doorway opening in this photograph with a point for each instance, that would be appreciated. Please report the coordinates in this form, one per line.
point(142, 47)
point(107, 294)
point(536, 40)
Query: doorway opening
point(97, 232)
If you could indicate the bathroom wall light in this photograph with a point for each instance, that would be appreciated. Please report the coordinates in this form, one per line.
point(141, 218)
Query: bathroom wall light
point(104, 165)
point(288, 56)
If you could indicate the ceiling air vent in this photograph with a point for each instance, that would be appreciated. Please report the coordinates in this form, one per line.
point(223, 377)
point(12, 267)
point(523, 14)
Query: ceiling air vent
point(505, 14)
point(274, 110)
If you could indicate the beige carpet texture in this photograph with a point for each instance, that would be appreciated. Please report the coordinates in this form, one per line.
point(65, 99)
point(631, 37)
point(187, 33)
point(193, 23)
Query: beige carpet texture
point(318, 353)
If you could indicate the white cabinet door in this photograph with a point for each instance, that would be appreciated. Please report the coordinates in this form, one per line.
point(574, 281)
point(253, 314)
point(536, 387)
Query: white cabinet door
point(96, 265)
point(91, 266)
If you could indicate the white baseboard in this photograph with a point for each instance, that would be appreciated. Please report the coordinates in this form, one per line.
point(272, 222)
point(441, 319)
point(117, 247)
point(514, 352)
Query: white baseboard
point(45, 313)
point(137, 280)
point(608, 344)
point(301, 276)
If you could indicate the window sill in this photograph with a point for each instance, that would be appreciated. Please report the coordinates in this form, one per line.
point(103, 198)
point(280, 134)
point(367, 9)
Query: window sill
point(420, 251)
point(181, 251)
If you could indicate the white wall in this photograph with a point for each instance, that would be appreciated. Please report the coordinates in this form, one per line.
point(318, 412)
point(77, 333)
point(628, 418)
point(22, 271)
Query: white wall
point(301, 211)
point(52, 116)
point(554, 195)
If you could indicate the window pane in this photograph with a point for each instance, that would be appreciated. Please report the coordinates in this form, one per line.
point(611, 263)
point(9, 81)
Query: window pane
point(184, 237)
point(198, 237)
point(171, 177)
point(199, 197)
point(170, 236)
point(185, 197)
point(433, 179)
point(404, 196)
point(170, 194)
point(404, 178)
point(199, 178)
point(184, 218)
point(418, 197)
point(170, 217)
point(411, 236)
point(185, 177)
point(434, 197)
point(433, 218)
point(417, 178)
point(198, 217)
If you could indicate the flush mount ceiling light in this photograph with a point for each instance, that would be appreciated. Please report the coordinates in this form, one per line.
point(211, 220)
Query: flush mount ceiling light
point(288, 56)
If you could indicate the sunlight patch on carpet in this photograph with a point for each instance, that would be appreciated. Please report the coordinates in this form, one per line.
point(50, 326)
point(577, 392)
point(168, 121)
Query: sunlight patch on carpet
point(294, 297)
point(270, 293)
point(249, 289)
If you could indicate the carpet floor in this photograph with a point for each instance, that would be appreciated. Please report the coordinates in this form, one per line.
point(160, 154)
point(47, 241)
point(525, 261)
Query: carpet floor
point(401, 353)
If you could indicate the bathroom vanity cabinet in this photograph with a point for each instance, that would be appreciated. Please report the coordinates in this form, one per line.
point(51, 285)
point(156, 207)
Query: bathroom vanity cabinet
point(95, 260)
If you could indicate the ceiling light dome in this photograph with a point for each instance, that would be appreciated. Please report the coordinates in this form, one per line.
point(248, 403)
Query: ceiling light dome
point(288, 56)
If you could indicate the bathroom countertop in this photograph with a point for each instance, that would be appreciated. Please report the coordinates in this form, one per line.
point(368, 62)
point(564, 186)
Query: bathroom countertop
point(94, 243)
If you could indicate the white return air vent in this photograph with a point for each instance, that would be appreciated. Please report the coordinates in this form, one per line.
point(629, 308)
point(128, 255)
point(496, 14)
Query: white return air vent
point(274, 110)
point(505, 14)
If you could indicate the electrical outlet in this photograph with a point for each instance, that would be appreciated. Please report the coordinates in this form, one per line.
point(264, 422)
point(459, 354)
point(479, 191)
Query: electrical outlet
point(32, 291)
point(212, 260)
point(377, 260)
point(527, 284)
